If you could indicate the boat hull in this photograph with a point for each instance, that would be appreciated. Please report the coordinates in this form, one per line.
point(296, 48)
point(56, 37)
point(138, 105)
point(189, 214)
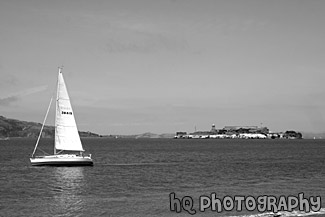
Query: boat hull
point(62, 160)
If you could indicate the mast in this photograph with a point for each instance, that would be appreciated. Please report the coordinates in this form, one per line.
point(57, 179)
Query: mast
point(56, 108)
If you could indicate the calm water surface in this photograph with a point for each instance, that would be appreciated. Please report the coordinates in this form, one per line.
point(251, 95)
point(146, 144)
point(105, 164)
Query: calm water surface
point(134, 177)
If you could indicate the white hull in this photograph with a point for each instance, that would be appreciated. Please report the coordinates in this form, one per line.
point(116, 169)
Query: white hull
point(62, 160)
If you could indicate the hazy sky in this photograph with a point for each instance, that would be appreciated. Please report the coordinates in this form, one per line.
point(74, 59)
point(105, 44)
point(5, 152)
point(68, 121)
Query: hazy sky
point(165, 66)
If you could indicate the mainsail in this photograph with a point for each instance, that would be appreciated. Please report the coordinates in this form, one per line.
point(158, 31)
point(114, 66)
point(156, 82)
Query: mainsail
point(66, 132)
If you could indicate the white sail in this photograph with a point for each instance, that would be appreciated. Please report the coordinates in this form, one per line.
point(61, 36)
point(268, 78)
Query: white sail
point(66, 132)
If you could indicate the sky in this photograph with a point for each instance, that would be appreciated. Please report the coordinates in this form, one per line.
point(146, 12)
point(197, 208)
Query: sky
point(135, 66)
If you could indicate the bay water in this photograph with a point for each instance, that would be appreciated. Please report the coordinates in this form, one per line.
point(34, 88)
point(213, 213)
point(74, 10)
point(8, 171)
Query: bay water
point(135, 177)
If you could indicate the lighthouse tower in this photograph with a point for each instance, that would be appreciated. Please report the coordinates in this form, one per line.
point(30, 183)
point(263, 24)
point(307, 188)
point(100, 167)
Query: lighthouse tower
point(213, 129)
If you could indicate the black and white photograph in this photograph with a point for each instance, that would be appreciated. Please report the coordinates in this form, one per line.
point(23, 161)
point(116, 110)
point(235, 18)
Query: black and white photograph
point(142, 108)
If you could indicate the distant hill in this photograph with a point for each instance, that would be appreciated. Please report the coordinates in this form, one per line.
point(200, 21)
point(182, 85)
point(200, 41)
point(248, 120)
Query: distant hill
point(147, 135)
point(17, 128)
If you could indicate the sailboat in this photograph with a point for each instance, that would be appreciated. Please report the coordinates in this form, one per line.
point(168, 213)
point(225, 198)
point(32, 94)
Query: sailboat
point(68, 150)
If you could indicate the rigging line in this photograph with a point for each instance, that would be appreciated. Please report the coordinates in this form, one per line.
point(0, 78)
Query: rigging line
point(48, 109)
point(39, 136)
point(60, 152)
point(44, 152)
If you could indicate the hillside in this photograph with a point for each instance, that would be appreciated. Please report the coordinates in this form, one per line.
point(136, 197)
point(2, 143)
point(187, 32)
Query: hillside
point(17, 128)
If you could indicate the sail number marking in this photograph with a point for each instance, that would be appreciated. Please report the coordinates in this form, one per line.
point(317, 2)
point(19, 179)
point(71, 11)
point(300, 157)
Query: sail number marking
point(66, 113)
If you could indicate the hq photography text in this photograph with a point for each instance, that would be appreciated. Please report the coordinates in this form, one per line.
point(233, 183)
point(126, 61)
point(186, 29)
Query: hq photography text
point(262, 203)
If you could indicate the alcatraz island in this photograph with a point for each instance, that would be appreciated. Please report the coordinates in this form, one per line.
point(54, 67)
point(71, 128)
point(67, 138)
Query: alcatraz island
point(239, 132)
